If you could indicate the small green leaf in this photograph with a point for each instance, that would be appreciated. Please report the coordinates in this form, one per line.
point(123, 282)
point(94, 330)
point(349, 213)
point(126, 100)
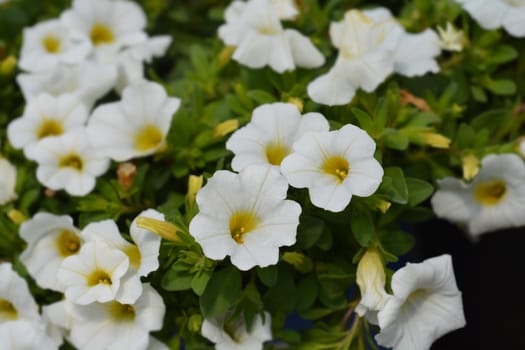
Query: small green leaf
point(397, 242)
point(397, 141)
point(199, 281)
point(309, 230)
point(418, 191)
point(222, 291)
point(364, 119)
point(261, 96)
point(394, 185)
point(177, 278)
point(502, 54)
point(268, 275)
point(307, 290)
point(362, 226)
point(501, 86)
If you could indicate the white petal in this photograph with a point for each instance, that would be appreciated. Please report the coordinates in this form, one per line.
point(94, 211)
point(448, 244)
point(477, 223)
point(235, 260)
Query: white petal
point(415, 54)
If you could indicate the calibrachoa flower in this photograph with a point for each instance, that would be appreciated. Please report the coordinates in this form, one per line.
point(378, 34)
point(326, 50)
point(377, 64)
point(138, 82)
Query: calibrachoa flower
point(494, 199)
point(24, 335)
point(136, 126)
point(93, 274)
point(371, 46)
point(371, 279)
point(255, 29)
point(45, 116)
point(49, 44)
point(88, 80)
point(142, 253)
point(7, 181)
point(109, 25)
point(245, 216)
point(334, 166)
point(69, 162)
point(57, 318)
point(117, 326)
point(493, 14)
point(50, 239)
point(269, 136)
point(16, 301)
point(426, 305)
point(237, 337)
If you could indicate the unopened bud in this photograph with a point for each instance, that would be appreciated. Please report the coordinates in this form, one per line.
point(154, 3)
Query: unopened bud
point(8, 65)
point(225, 128)
point(164, 229)
point(16, 216)
point(470, 166)
point(435, 140)
point(194, 185)
point(126, 172)
point(297, 102)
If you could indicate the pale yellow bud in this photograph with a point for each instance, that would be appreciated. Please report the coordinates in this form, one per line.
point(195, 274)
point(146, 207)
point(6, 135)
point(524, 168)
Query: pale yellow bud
point(435, 140)
point(300, 261)
point(164, 229)
point(8, 65)
point(16, 216)
point(194, 185)
point(297, 102)
point(371, 280)
point(470, 166)
point(383, 206)
point(225, 55)
point(225, 128)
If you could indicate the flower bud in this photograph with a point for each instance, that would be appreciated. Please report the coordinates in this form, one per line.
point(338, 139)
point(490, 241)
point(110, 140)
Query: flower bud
point(371, 280)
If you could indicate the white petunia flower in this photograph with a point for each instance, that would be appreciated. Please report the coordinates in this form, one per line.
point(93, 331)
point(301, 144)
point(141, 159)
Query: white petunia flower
point(142, 253)
point(50, 239)
point(136, 126)
point(255, 29)
point(110, 25)
point(16, 301)
point(93, 274)
point(117, 326)
point(7, 181)
point(245, 216)
point(334, 166)
point(24, 335)
point(495, 198)
point(49, 44)
point(57, 318)
point(269, 136)
point(426, 305)
point(372, 45)
point(493, 14)
point(236, 337)
point(69, 162)
point(46, 116)
point(371, 279)
point(88, 80)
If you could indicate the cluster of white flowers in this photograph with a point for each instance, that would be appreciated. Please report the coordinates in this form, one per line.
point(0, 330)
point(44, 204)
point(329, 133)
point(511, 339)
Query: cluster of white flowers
point(105, 305)
point(71, 62)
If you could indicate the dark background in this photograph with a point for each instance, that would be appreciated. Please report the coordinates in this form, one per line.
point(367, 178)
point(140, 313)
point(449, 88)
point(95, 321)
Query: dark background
point(490, 274)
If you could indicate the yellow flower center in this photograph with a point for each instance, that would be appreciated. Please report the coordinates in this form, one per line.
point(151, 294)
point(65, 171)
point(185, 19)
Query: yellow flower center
point(242, 222)
point(275, 153)
point(134, 256)
point(148, 137)
point(71, 161)
point(51, 43)
point(490, 192)
point(49, 127)
point(121, 312)
point(336, 166)
point(8, 311)
point(98, 277)
point(68, 243)
point(101, 34)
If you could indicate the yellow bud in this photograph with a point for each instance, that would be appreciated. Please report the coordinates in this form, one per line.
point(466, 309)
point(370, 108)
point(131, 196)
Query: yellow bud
point(164, 229)
point(225, 128)
point(300, 261)
point(297, 102)
point(470, 166)
point(8, 65)
point(383, 206)
point(225, 55)
point(436, 140)
point(16, 216)
point(194, 185)
point(371, 279)
point(195, 323)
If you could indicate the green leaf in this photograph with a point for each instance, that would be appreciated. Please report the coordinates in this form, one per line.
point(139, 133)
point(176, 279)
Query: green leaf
point(478, 93)
point(364, 119)
point(309, 230)
point(502, 54)
point(199, 281)
point(424, 119)
point(268, 275)
point(397, 242)
point(307, 290)
point(501, 86)
point(394, 185)
point(261, 96)
point(282, 296)
point(418, 191)
point(362, 226)
point(222, 291)
point(177, 278)
point(397, 140)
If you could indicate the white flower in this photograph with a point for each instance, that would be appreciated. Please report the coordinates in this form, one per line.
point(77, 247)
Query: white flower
point(371, 279)
point(269, 136)
point(236, 337)
point(495, 198)
point(50, 239)
point(493, 14)
point(426, 305)
point(142, 253)
point(334, 166)
point(7, 181)
point(118, 326)
point(16, 301)
point(24, 335)
point(57, 318)
point(110, 25)
point(88, 80)
point(93, 274)
point(136, 126)
point(45, 116)
point(69, 162)
point(245, 216)
point(372, 45)
point(450, 38)
point(49, 44)
point(255, 29)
